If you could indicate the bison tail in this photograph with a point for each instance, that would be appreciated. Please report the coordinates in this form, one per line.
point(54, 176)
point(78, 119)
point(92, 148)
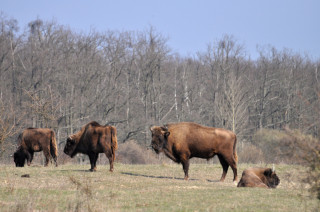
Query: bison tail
point(235, 156)
point(53, 145)
point(234, 150)
point(114, 141)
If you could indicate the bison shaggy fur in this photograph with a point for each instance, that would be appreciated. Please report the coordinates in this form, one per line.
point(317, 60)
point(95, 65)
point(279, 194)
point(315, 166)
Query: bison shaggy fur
point(35, 140)
point(185, 140)
point(91, 140)
point(259, 177)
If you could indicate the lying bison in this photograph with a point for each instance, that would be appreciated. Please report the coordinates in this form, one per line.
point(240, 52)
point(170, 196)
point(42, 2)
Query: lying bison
point(259, 177)
point(182, 141)
point(35, 140)
point(91, 140)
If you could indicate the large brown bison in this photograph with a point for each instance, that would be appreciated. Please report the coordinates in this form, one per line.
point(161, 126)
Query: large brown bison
point(35, 140)
point(259, 177)
point(91, 140)
point(182, 141)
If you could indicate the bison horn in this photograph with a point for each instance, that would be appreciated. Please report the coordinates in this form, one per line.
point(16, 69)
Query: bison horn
point(152, 128)
point(273, 169)
point(164, 128)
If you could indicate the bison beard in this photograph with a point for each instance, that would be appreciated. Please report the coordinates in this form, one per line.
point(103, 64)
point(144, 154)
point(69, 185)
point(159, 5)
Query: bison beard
point(91, 140)
point(182, 141)
point(259, 177)
point(35, 140)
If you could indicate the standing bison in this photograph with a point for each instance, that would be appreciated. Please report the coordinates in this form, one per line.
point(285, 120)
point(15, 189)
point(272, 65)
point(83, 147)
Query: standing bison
point(91, 140)
point(259, 177)
point(35, 140)
point(182, 141)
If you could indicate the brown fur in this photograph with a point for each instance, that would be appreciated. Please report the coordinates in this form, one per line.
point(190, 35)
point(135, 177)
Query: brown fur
point(259, 177)
point(91, 140)
point(182, 141)
point(35, 140)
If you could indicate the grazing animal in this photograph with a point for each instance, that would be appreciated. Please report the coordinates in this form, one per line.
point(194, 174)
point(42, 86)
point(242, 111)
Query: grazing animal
point(259, 177)
point(35, 140)
point(185, 140)
point(91, 140)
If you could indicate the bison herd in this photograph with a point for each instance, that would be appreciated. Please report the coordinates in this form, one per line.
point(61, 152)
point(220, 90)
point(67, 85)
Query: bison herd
point(178, 141)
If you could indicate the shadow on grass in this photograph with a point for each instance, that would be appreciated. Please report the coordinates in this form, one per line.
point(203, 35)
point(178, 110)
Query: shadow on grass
point(214, 181)
point(165, 177)
point(75, 170)
point(152, 176)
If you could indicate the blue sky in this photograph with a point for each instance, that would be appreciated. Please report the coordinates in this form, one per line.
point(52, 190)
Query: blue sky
point(189, 24)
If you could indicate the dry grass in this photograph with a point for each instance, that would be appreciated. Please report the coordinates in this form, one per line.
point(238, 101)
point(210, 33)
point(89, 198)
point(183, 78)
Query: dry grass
point(146, 188)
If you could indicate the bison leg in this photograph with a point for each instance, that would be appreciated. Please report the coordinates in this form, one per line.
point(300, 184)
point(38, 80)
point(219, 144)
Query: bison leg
point(47, 159)
point(46, 153)
point(185, 165)
point(234, 169)
point(110, 157)
point(232, 163)
point(55, 160)
point(29, 157)
point(111, 163)
point(107, 151)
point(93, 161)
point(226, 162)
point(54, 156)
point(225, 167)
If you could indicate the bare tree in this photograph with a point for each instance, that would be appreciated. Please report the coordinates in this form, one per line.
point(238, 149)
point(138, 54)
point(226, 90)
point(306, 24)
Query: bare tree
point(44, 106)
point(228, 90)
point(8, 126)
point(62, 79)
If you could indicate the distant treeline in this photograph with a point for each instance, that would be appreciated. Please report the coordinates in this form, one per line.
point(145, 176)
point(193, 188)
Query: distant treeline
point(52, 76)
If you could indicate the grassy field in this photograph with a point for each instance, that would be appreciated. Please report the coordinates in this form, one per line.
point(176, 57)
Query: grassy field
point(146, 188)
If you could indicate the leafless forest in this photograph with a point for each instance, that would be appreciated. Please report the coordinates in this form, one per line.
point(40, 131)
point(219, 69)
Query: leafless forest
point(52, 76)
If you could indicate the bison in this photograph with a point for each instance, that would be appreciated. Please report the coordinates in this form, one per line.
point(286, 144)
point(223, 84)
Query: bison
point(182, 141)
point(259, 177)
point(35, 140)
point(91, 140)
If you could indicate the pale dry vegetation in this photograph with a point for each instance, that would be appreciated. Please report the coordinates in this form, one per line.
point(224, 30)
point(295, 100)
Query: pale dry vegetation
point(131, 152)
point(158, 187)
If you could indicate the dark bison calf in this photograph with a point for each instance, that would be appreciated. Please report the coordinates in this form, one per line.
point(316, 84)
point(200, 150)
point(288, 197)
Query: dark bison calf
point(35, 140)
point(259, 177)
point(91, 140)
point(185, 140)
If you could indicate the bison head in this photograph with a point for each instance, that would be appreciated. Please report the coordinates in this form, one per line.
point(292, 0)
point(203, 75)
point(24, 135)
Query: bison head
point(19, 158)
point(272, 178)
point(159, 137)
point(70, 147)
